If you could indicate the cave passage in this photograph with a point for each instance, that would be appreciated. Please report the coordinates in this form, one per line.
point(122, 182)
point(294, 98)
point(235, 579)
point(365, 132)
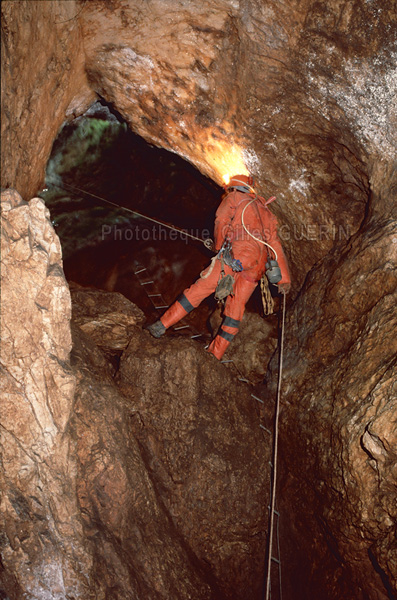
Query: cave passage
point(104, 246)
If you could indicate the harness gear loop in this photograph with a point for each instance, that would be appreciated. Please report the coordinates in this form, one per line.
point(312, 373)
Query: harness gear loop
point(275, 453)
point(267, 299)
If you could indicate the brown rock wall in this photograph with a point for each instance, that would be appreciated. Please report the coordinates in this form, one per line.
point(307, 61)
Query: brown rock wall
point(41, 532)
point(340, 404)
point(201, 442)
point(136, 549)
point(42, 83)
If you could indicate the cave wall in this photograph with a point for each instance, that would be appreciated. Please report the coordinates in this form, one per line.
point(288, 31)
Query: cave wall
point(43, 83)
point(41, 535)
point(304, 94)
point(340, 412)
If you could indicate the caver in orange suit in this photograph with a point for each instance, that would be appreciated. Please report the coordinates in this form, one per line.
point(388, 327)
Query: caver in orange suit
point(253, 255)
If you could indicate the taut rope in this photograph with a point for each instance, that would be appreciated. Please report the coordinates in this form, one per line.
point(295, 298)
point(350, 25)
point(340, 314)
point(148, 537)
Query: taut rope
point(275, 452)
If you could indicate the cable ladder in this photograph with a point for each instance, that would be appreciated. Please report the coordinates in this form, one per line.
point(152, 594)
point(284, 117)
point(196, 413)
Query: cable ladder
point(157, 299)
point(159, 303)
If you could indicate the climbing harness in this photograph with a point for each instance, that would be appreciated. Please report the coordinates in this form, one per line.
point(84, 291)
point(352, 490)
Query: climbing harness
point(275, 454)
point(65, 186)
point(226, 254)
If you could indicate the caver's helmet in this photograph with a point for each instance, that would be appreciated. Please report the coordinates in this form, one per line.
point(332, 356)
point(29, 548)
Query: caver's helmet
point(242, 183)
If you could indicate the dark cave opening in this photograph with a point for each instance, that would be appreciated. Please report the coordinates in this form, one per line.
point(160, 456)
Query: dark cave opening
point(97, 162)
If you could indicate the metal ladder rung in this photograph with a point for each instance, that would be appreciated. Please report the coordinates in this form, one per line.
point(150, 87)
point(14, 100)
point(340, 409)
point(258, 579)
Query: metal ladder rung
point(242, 379)
point(165, 306)
point(275, 511)
point(146, 282)
point(181, 327)
point(256, 398)
point(276, 560)
point(140, 271)
point(196, 335)
point(154, 295)
point(265, 428)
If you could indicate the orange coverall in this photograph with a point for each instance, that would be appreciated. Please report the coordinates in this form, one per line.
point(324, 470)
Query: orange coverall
point(261, 222)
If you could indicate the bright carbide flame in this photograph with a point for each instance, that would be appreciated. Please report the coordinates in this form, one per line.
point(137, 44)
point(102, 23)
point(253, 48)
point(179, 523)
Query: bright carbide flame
point(226, 160)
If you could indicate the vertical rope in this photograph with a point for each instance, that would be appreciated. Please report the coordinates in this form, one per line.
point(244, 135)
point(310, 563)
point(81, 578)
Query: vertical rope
point(275, 452)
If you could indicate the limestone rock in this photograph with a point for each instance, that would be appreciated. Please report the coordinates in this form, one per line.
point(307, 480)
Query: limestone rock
point(42, 550)
point(107, 318)
point(41, 47)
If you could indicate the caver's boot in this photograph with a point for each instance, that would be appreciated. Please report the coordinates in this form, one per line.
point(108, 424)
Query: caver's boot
point(156, 329)
point(175, 313)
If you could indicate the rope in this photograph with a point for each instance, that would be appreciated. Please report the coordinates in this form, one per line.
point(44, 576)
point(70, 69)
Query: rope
point(275, 452)
point(252, 235)
point(134, 212)
point(267, 300)
point(245, 208)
